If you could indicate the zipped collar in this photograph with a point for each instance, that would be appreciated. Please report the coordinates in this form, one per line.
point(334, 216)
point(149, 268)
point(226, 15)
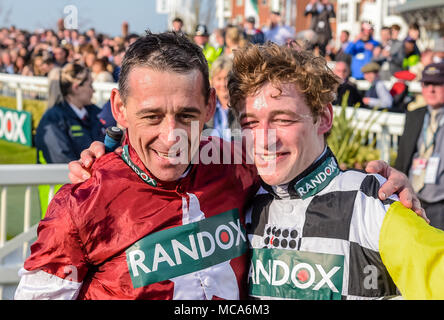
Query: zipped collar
point(311, 181)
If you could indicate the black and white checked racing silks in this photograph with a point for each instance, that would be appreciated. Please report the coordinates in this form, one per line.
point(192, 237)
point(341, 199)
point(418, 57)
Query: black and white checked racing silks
point(344, 218)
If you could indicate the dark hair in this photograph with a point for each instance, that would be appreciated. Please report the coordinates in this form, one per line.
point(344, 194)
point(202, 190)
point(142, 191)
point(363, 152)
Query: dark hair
point(177, 19)
point(167, 51)
point(396, 27)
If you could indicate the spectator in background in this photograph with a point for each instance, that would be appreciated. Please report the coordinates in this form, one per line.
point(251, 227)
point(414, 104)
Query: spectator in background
point(36, 66)
point(224, 120)
point(7, 65)
point(106, 117)
point(382, 52)
point(20, 64)
point(234, 39)
point(178, 25)
point(52, 71)
point(421, 147)
point(276, 32)
point(321, 12)
point(347, 92)
point(89, 57)
point(130, 39)
point(99, 72)
point(340, 55)
point(361, 50)
point(217, 39)
point(117, 61)
point(411, 53)
point(201, 38)
point(72, 125)
point(391, 53)
point(61, 56)
point(414, 32)
point(425, 59)
point(253, 34)
point(377, 95)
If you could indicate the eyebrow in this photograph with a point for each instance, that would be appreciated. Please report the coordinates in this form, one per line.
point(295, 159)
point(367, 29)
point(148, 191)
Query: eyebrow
point(272, 114)
point(149, 110)
point(284, 112)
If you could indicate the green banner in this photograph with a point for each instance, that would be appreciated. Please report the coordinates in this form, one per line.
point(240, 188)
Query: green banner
point(291, 274)
point(188, 248)
point(15, 126)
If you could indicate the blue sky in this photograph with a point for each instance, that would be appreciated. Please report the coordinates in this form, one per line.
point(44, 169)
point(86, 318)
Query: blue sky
point(104, 15)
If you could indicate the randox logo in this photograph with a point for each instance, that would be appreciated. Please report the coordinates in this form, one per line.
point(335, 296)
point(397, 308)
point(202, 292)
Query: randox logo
point(15, 126)
point(318, 179)
point(181, 250)
point(294, 274)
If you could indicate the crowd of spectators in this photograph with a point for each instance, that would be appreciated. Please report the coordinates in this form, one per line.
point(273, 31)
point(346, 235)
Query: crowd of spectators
point(44, 52)
point(37, 53)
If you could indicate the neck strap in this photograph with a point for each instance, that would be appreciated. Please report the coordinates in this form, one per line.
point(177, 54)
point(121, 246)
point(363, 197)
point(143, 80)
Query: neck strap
point(141, 173)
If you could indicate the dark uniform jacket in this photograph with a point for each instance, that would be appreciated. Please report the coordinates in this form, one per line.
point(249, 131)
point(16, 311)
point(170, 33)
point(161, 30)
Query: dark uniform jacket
point(61, 135)
point(407, 145)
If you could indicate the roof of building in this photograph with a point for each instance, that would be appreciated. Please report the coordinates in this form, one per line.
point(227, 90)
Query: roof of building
point(411, 5)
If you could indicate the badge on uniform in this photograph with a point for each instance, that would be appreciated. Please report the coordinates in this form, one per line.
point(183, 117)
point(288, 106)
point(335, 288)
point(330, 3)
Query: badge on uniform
point(418, 165)
point(431, 170)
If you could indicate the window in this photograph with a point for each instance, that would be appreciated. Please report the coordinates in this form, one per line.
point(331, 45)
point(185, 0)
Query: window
point(239, 3)
point(343, 12)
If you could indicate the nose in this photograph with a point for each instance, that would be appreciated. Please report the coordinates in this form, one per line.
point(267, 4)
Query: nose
point(169, 133)
point(265, 137)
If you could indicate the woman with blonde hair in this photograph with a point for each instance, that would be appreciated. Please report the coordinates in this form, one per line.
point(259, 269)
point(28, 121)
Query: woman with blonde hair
point(71, 125)
point(234, 39)
point(223, 120)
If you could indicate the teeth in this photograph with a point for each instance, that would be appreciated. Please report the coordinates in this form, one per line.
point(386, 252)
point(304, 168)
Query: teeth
point(163, 155)
point(269, 157)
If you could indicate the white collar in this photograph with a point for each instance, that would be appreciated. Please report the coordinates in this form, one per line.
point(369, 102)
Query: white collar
point(79, 112)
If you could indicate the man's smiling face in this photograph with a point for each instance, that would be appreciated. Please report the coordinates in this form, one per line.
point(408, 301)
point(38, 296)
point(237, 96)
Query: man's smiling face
point(160, 105)
point(287, 137)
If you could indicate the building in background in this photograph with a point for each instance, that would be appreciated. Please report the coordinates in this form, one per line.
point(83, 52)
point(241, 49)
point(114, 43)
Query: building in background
point(429, 14)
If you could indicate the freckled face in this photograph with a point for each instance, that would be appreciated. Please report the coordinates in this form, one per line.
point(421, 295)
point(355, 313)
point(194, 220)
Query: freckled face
point(286, 136)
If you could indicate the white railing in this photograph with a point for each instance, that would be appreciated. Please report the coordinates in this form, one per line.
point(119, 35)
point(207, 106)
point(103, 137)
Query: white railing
point(25, 87)
point(386, 129)
point(414, 86)
point(13, 252)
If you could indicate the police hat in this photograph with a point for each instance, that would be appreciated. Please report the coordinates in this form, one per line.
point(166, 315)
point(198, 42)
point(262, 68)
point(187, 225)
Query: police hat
point(201, 30)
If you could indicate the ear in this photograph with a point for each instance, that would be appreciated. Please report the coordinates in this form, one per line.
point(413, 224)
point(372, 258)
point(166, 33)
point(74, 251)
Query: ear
point(326, 119)
point(211, 107)
point(118, 108)
point(74, 88)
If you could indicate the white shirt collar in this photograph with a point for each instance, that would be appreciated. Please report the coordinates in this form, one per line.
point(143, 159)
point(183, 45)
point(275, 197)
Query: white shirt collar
point(79, 112)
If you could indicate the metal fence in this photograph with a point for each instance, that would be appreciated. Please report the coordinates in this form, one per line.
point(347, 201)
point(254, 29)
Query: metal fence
point(13, 252)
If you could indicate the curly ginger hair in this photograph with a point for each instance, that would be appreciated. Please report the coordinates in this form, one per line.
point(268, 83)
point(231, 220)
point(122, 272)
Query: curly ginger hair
point(257, 65)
